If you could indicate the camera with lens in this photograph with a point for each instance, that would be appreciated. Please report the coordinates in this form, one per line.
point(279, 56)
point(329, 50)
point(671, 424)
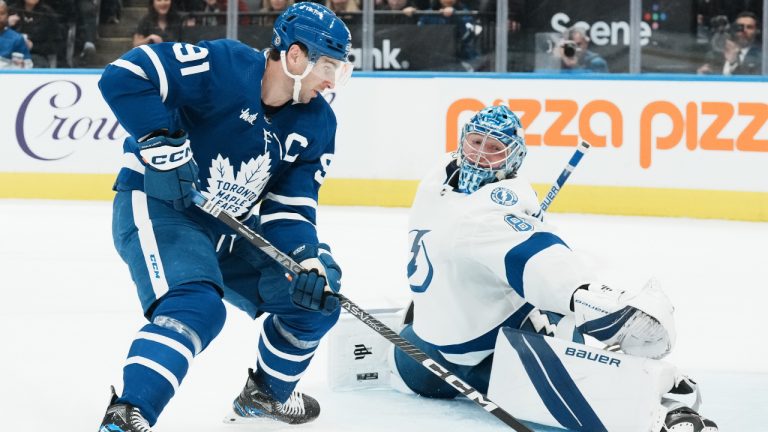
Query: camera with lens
point(569, 48)
point(737, 28)
point(719, 24)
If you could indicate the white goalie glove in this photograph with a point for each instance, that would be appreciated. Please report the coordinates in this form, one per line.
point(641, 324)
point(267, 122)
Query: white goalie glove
point(641, 323)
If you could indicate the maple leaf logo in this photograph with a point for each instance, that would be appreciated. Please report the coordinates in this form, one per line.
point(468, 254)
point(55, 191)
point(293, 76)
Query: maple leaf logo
point(236, 192)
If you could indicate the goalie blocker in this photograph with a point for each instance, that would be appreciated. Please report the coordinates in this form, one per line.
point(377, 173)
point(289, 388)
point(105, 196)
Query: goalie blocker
point(537, 378)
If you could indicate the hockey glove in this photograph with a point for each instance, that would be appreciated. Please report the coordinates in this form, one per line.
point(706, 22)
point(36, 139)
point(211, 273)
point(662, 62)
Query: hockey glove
point(171, 171)
point(313, 288)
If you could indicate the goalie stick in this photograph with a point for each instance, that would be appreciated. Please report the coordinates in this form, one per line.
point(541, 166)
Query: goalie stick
point(581, 149)
point(292, 268)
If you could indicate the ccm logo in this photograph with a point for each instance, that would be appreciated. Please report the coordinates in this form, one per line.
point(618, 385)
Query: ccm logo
point(171, 158)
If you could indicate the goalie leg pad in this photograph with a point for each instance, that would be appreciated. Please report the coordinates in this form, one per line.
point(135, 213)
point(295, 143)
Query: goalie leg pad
point(562, 384)
point(357, 355)
point(425, 383)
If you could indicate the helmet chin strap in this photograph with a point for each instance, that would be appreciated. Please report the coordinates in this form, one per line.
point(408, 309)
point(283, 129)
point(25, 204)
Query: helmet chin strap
point(296, 78)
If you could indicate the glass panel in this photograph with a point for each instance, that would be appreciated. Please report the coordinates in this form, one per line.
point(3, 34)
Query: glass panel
point(255, 26)
point(678, 36)
point(544, 43)
point(409, 38)
point(726, 32)
point(668, 37)
point(207, 25)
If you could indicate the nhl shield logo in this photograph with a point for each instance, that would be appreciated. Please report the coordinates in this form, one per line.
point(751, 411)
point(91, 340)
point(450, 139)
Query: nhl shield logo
point(503, 196)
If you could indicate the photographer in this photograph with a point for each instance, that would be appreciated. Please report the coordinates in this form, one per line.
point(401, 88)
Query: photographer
point(739, 53)
point(575, 57)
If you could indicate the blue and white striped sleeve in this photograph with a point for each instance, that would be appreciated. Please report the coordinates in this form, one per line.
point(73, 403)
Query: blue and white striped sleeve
point(146, 85)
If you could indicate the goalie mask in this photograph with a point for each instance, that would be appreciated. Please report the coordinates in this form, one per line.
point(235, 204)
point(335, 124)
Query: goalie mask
point(492, 148)
point(325, 36)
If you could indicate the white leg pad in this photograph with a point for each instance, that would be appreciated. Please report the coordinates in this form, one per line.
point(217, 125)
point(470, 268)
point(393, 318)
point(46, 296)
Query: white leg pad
point(357, 355)
point(562, 384)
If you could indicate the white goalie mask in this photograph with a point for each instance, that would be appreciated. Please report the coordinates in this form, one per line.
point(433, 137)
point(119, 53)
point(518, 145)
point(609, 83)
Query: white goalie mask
point(492, 148)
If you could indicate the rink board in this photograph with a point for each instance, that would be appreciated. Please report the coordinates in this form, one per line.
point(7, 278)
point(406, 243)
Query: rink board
point(662, 145)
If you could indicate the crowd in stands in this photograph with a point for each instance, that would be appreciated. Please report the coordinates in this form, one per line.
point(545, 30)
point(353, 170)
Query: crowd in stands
point(730, 29)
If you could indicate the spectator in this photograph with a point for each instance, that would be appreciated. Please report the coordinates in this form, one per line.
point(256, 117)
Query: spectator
point(271, 9)
point(69, 16)
point(88, 19)
point(347, 10)
point(707, 9)
point(211, 7)
point(740, 54)
point(162, 23)
point(465, 29)
point(515, 10)
point(13, 48)
point(404, 6)
point(208, 8)
point(402, 12)
point(110, 12)
point(574, 53)
point(40, 25)
point(254, 5)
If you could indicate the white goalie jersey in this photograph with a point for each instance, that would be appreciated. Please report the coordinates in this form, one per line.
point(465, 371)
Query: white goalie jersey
point(481, 261)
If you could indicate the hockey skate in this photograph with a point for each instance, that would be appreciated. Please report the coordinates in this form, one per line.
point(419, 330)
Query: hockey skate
point(253, 404)
point(123, 418)
point(685, 419)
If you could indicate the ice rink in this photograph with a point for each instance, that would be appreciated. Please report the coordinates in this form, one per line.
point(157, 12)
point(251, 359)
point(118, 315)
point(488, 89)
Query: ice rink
point(69, 313)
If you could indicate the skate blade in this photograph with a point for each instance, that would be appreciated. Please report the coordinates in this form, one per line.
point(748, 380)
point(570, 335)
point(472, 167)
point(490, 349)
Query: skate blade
point(233, 418)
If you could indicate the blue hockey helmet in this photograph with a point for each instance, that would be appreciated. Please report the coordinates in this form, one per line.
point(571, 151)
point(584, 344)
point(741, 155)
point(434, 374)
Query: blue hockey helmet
point(315, 26)
point(492, 148)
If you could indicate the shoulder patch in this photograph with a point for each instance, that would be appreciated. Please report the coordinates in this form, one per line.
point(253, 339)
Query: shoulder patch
point(503, 196)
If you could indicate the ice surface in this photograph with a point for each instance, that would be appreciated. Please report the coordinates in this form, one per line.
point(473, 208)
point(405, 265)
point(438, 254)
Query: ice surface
point(68, 313)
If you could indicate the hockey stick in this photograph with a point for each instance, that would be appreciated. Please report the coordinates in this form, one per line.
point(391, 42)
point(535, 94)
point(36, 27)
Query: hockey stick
point(292, 268)
point(581, 149)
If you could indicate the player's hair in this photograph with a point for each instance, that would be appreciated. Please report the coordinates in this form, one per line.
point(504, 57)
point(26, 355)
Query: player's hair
point(274, 54)
point(747, 14)
point(575, 29)
point(153, 15)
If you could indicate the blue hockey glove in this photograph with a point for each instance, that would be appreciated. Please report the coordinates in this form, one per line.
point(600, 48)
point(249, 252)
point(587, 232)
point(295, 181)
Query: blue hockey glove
point(171, 171)
point(313, 288)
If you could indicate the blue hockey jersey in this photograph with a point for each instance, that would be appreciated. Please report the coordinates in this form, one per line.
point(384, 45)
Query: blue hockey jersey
point(213, 91)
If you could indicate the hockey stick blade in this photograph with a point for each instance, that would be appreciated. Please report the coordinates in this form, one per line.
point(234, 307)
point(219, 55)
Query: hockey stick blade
point(581, 150)
point(292, 268)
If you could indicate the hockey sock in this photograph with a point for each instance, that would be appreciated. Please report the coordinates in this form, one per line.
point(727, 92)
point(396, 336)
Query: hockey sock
point(281, 362)
point(157, 362)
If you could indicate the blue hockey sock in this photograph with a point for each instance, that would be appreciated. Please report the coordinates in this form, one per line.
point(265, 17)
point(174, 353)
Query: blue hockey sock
point(157, 362)
point(281, 362)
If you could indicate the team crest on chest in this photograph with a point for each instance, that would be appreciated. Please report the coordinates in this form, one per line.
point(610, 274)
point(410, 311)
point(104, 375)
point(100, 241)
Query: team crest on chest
point(236, 191)
point(503, 196)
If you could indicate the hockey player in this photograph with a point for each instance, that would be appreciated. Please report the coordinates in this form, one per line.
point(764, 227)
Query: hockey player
point(254, 124)
point(483, 259)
